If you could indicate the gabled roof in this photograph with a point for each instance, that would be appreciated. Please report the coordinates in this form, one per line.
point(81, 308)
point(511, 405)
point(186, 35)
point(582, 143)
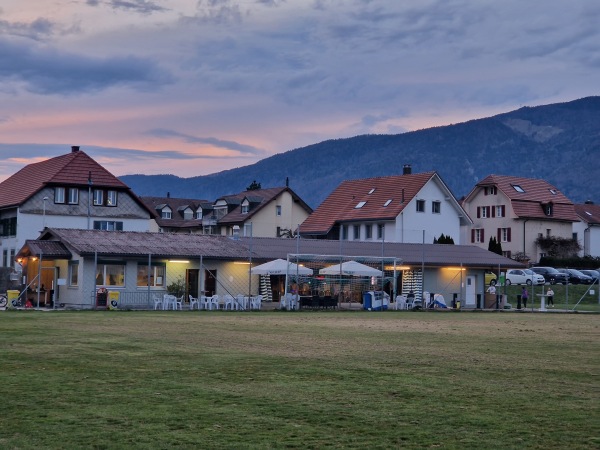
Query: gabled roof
point(379, 198)
point(72, 169)
point(528, 197)
point(47, 249)
point(258, 200)
point(589, 213)
point(177, 206)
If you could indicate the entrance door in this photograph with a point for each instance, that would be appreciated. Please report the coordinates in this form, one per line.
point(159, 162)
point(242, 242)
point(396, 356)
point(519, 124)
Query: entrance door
point(470, 291)
point(210, 282)
point(191, 283)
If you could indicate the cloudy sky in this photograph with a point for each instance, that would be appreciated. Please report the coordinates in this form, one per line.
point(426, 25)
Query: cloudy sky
point(192, 87)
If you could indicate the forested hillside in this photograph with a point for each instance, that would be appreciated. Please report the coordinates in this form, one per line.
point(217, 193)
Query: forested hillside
point(558, 142)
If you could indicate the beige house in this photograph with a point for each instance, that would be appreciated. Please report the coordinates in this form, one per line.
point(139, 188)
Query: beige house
point(273, 212)
point(517, 211)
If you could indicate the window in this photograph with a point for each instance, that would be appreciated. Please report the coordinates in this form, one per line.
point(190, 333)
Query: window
point(153, 276)
point(356, 232)
point(112, 274)
point(344, 232)
point(548, 232)
point(504, 235)
point(490, 190)
point(73, 273)
point(188, 214)
point(278, 210)
point(436, 207)
point(108, 225)
point(387, 202)
point(278, 232)
point(98, 197)
point(477, 235)
point(8, 227)
point(360, 205)
point(11, 261)
point(111, 198)
point(247, 229)
point(500, 211)
point(165, 213)
point(420, 205)
point(548, 209)
point(518, 188)
point(73, 196)
point(380, 231)
point(59, 195)
point(371, 191)
point(506, 254)
point(574, 236)
point(245, 209)
point(368, 231)
point(4, 258)
point(199, 214)
point(552, 191)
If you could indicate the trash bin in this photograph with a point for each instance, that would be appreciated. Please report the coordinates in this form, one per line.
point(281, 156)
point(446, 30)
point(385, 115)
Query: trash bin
point(113, 299)
point(367, 300)
point(12, 297)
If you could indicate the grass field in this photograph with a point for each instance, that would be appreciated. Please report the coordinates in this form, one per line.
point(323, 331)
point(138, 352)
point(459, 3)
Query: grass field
point(299, 380)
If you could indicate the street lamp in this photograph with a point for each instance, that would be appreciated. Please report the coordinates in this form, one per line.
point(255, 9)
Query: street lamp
point(45, 199)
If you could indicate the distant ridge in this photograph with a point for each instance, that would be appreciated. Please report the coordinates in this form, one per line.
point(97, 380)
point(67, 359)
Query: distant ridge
point(558, 142)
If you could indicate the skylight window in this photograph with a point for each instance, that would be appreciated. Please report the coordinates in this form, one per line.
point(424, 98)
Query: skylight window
point(371, 191)
point(518, 188)
point(588, 213)
point(360, 205)
point(387, 202)
point(552, 191)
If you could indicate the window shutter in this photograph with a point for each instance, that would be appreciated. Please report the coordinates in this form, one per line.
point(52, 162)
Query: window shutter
point(499, 234)
point(482, 235)
point(493, 211)
point(478, 212)
point(119, 226)
point(503, 211)
point(485, 191)
point(487, 210)
point(508, 234)
point(473, 235)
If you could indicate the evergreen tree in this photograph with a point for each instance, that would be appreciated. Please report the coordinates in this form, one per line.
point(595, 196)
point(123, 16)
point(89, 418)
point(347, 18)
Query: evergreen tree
point(254, 186)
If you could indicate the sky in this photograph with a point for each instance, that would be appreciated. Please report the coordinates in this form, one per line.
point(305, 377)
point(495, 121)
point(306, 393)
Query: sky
point(193, 87)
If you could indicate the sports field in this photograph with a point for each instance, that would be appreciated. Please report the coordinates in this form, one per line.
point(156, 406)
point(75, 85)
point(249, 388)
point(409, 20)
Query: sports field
point(299, 380)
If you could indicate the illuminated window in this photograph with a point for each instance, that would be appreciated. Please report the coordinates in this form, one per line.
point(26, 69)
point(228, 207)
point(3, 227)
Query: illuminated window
point(110, 274)
point(156, 278)
point(111, 198)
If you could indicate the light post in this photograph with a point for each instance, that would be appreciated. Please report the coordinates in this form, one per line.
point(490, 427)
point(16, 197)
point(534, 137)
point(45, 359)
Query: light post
point(45, 199)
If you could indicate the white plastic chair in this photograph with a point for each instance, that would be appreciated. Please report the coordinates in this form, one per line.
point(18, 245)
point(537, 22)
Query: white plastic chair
point(283, 301)
point(203, 302)
point(239, 302)
point(167, 299)
point(293, 301)
point(400, 302)
point(194, 302)
point(426, 299)
point(178, 302)
point(256, 302)
point(157, 302)
point(229, 302)
point(213, 302)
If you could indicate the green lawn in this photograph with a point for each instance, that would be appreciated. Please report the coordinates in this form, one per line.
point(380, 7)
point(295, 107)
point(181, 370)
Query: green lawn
point(566, 297)
point(299, 380)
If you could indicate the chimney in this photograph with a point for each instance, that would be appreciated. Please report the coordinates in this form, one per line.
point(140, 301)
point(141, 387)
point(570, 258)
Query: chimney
point(406, 170)
point(74, 148)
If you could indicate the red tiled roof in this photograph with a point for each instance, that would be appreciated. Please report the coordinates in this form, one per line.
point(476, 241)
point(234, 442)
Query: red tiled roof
point(536, 193)
point(589, 213)
point(71, 169)
point(177, 205)
point(340, 205)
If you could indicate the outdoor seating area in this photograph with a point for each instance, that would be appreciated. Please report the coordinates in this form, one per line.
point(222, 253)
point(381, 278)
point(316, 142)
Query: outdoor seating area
point(226, 302)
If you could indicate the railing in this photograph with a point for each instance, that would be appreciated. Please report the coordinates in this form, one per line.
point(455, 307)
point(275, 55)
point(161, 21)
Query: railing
point(141, 299)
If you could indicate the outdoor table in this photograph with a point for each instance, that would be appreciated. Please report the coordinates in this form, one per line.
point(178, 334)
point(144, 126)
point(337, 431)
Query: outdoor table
point(542, 301)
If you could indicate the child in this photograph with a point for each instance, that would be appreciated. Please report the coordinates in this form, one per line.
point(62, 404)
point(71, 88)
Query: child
point(550, 295)
point(524, 296)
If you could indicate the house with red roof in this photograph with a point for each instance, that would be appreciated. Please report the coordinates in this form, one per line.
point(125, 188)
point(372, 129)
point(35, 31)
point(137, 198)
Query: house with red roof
point(175, 215)
point(587, 229)
point(408, 208)
point(67, 191)
point(518, 211)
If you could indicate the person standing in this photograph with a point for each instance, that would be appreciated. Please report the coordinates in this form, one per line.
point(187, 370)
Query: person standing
point(550, 296)
point(524, 296)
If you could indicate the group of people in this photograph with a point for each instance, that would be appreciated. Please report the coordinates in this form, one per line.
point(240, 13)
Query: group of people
point(525, 295)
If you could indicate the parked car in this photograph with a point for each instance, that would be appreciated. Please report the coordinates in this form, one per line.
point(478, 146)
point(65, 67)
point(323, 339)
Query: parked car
point(551, 275)
point(576, 277)
point(490, 279)
point(523, 276)
point(595, 274)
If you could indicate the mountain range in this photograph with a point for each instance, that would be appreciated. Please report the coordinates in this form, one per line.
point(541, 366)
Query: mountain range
point(558, 142)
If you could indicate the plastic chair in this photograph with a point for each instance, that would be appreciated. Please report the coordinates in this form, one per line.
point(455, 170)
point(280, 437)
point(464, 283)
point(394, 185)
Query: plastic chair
point(167, 299)
point(229, 302)
point(426, 299)
point(203, 302)
point(194, 301)
point(157, 302)
point(178, 302)
point(400, 302)
point(213, 302)
point(256, 302)
point(239, 303)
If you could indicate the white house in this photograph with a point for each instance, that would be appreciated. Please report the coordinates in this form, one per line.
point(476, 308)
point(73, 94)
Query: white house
point(587, 229)
point(409, 208)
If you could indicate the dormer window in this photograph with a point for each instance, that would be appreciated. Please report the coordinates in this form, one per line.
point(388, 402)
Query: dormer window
point(490, 190)
point(387, 202)
point(245, 209)
point(199, 214)
point(165, 213)
point(188, 214)
point(360, 205)
point(518, 188)
point(548, 209)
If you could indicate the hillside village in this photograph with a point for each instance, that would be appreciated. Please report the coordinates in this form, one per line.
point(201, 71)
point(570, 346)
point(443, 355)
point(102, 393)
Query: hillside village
point(68, 228)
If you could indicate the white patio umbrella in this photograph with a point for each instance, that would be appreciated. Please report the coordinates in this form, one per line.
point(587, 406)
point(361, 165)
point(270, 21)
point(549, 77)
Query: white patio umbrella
point(280, 267)
point(351, 268)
